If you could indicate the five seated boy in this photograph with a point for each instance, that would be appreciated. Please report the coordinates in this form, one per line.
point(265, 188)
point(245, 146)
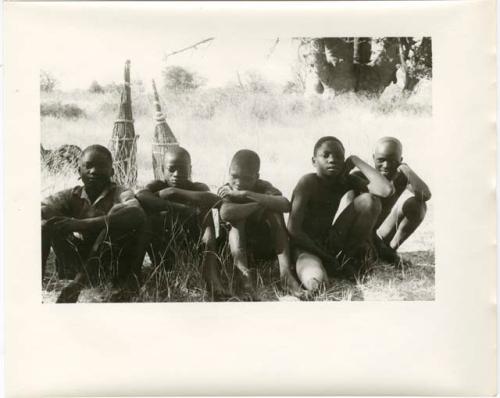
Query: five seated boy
point(340, 220)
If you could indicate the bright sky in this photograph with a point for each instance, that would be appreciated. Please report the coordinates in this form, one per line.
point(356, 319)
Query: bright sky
point(101, 53)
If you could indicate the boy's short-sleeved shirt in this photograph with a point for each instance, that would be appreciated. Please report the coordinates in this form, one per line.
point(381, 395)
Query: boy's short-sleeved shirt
point(323, 202)
point(157, 185)
point(74, 202)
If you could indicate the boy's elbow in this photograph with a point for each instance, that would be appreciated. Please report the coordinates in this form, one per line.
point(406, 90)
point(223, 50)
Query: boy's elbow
point(286, 206)
point(426, 196)
point(389, 191)
point(385, 191)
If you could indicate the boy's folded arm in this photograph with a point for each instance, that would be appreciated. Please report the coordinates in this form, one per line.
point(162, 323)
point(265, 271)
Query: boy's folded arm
point(232, 212)
point(203, 199)
point(151, 201)
point(277, 203)
point(377, 184)
point(415, 184)
point(122, 217)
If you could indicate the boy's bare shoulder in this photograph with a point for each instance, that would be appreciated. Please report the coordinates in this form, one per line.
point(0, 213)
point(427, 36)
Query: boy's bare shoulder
point(307, 181)
point(200, 187)
point(265, 187)
point(156, 185)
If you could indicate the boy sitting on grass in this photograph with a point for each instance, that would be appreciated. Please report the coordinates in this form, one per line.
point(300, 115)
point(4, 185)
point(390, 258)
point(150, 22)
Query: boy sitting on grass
point(316, 199)
point(254, 209)
point(180, 217)
point(396, 223)
point(95, 227)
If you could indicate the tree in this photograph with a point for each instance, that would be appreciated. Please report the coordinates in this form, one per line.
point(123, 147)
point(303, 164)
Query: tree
point(179, 79)
point(47, 82)
point(96, 88)
point(364, 64)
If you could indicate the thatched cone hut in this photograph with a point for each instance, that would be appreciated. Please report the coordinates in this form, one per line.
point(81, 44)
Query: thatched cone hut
point(163, 139)
point(124, 141)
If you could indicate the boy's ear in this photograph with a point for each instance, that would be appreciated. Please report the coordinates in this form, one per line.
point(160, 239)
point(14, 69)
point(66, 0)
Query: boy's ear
point(313, 160)
point(112, 172)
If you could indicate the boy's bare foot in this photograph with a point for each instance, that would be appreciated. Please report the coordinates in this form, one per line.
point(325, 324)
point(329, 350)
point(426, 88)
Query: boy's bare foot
point(387, 253)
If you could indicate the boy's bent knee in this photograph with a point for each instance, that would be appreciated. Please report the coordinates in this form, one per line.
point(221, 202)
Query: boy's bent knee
point(414, 209)
point(367, 202)
point(310, 271)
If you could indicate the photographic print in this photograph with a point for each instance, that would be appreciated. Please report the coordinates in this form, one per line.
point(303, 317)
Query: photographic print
point(237, 169)
point(250, 198)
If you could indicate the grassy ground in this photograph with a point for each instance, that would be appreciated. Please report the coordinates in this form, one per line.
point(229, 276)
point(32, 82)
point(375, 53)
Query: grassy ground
point(213, 124)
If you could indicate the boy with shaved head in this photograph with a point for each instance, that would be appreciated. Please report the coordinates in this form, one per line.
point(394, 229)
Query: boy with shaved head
point(254, 209)
point(180, 217)
point(95, 227)
point(397, 222)
point(318, 242)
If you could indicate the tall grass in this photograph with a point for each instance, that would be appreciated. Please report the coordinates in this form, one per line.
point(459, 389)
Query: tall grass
point(213, 123)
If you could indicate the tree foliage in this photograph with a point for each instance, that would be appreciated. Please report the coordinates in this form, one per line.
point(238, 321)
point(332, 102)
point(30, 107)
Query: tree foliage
point(179, 79)
point(96, 88)
point(47, 81)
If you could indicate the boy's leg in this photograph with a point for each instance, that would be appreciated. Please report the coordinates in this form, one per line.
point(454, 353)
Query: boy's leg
point(310, 270)
point(88, 268)
point(210, 262)
point(238, 246)
point(67, 249)
point(402, 222)
point(352, 231)
point(281, 246)
point(158, 231)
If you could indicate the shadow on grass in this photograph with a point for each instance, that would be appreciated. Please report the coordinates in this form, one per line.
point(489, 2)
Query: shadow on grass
point(183, 282)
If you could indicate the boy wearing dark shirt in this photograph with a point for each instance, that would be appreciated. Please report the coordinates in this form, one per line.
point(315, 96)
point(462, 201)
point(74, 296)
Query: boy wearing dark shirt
point(397, 222)
point(94, 227)
point(315, 202)
point(180, 217)
point(254, 210)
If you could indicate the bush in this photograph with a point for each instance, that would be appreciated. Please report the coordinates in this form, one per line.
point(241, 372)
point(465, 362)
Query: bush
point(47, 82)
point(61, 111)
point(96, 88)
point(179, 79)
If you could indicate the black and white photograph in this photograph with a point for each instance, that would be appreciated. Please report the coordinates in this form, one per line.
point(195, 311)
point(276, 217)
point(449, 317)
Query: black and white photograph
point(237, 169)
point(249, 198)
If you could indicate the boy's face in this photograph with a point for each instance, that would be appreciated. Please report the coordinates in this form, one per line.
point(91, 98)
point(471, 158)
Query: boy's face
point(177, 169)
point(242, 178)
point(329, 159)
point(96, 170)
point(387, 158)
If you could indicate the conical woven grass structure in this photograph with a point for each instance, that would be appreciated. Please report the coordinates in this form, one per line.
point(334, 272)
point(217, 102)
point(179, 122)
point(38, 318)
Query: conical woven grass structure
point(163, 139)
point(123, 144)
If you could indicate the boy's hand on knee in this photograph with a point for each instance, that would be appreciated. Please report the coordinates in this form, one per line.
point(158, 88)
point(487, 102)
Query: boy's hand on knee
point(231, 194)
